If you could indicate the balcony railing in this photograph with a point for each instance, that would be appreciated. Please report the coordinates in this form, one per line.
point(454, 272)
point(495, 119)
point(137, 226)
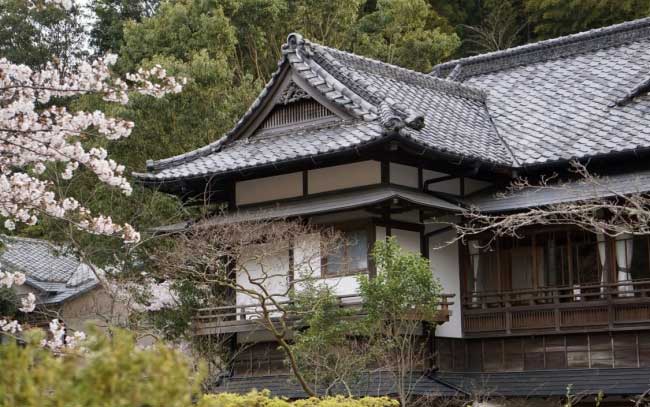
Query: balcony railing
point(248, 317)
point(612, 306)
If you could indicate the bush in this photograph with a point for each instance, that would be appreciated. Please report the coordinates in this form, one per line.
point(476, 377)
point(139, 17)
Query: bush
point(263, 399)
point(111, 372)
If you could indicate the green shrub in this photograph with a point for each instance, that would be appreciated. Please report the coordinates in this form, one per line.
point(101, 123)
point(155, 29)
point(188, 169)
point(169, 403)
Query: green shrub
point(110, 372)
point(264, 399)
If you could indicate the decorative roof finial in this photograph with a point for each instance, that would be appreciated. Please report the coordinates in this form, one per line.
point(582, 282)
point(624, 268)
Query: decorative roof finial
point(294, 40)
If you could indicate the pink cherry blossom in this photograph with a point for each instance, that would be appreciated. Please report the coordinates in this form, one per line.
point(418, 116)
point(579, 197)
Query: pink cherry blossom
point(33, 138)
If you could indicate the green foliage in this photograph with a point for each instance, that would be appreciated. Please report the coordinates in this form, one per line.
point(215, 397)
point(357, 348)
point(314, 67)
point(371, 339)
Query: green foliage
point(111, 372)
point(178, 31)
point(263, 399)
point(326, 350)
point(35, 35)
point(403, 284)
point(405, 33)
point(108, 31)
point(173, 322)
point(8, 302)
point(554, 18)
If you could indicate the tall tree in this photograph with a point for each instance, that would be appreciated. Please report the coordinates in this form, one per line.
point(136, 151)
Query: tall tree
point(111, 15)
point(554, 18)
point(407, 33)
point(499, 29)
point(35, 35)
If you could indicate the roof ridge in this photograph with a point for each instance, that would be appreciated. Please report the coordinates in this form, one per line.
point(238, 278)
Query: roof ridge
point(407, 75)
point(31, 240)
point(553, 48)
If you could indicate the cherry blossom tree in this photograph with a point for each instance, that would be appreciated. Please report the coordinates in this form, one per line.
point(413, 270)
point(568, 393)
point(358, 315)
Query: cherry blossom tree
point(37, 135)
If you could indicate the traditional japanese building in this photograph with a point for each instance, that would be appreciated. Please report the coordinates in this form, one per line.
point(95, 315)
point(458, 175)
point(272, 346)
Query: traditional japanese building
point(378, 150)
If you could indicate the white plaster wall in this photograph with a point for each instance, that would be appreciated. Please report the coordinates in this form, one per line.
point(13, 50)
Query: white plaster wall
point(407, 239)
point(268, 188)
point(450, 187)
point(276, 269)
point(344, 176)
point(472, 185)
point(380, 233)
point(444, 266)
point(404, 175)
point(307, 263)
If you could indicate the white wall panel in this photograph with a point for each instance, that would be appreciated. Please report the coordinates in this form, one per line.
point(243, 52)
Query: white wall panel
point(472, 185)
point(444, 266)
point(275, 268)
point(450, 187)
point(269, 188)
point(407, 239)
point(344, 176)
point(403, 175)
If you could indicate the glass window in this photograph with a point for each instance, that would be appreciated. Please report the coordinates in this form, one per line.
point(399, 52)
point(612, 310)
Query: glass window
point(350, 257)
point(586, 263)
point(484, 274)
point(640, 264)
point(552, 259)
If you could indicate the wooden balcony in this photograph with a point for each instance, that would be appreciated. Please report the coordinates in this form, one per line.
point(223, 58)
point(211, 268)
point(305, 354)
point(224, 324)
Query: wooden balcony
point(615, 306)
point(233, 319)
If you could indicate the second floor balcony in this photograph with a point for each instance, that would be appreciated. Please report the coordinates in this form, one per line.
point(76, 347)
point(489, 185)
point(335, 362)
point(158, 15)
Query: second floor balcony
point(250, 318)
point(556, 281)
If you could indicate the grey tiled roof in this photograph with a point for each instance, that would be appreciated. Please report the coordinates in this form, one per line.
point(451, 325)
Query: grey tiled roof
point(57, 275)
point(372, 384)
point(381, 99)
point(326, 203)
point(547, 383)
point(572, 97)
point(573, 191)
point(538, 383)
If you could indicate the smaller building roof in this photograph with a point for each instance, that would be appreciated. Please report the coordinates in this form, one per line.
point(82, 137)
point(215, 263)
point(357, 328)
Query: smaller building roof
point(58, 275)
point(573, 191)
point(537, 383)
point(552, 382)
point(375, 384)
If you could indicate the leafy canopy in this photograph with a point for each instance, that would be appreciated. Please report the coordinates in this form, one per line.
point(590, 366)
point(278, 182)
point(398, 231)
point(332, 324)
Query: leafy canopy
point(403, 284)
point(110, 372)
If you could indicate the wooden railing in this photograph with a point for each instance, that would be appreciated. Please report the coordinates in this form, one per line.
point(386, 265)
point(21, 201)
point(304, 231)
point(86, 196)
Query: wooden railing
point(248, 317)
point(613, 306)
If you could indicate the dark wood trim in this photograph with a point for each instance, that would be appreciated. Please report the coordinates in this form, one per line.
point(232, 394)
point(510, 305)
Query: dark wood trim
point(462, 187)
point(232, 196)
point(397, 224)
point(291, 271)
point(424, 245)
point(385, 172)
point(420, 178)
point(305, 183)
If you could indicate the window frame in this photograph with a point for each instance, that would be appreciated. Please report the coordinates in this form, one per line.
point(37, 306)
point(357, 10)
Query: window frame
point(345, 227)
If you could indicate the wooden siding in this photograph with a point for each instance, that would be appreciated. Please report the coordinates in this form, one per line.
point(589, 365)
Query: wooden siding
point(593, 350)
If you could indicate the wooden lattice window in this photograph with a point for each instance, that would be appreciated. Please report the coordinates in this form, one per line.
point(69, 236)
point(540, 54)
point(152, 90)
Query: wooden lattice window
point(302, 111)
